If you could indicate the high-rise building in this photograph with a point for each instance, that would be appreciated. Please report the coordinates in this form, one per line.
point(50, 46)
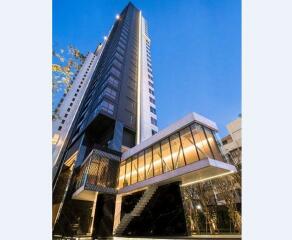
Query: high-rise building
point(114, 172)
point(68, 106)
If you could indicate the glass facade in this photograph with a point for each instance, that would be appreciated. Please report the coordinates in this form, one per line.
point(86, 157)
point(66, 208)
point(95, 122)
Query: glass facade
point(98, 171)
point(186, 146)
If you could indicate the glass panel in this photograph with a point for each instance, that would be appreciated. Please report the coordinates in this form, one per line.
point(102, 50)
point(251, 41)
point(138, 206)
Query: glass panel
point(122, 174)
point(128, 173)
point(190, 152)
point(213, 144)
point(166, 156)
point(201, 141)
point(141, 171)
point(91, 177)
point(134, 170)
point(157, 160)
point(176, 149)
point(148, 163)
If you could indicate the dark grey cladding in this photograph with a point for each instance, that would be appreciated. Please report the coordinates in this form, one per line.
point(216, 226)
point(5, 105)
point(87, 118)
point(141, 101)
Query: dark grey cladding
point(113, 88)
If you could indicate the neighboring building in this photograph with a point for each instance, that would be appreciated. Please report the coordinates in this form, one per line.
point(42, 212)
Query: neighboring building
point(69, 104)
point(116, 174)
point(232, 142)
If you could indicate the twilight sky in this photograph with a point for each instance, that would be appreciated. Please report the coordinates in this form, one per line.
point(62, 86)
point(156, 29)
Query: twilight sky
point(195, 47)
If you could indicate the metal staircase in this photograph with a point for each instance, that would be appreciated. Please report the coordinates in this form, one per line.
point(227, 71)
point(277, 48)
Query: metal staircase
point(143, 201)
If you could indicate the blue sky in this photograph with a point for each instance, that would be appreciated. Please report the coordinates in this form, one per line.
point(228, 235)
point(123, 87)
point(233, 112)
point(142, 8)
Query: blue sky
point(196, 50)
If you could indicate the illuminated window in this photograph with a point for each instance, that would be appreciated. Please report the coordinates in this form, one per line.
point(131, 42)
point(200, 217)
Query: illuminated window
point(141, 166)
point(213, 144)
point(189, 148)
point(55, 138)
point(157, 160)
point(128, 173)
point(122, 174)
point(177, 152)
point(201, 141)
point(134, 170)
point(166, 156)
point(148, 163)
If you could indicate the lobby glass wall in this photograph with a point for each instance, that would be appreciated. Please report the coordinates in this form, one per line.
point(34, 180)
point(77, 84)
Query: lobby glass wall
point(186, 146)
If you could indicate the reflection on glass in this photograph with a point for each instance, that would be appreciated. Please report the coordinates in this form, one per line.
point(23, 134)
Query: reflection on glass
point(128, 172)
point(201, 142)
point(141, 171)
point(189, 148)
point(177, 153)
point(213, 144)
point(148, 163)
point(157, 160)
point(134, 170)
point(166, 156)
point(122, 174)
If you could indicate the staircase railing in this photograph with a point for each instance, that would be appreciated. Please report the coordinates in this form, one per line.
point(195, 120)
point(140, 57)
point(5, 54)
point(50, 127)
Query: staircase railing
point(137, 210)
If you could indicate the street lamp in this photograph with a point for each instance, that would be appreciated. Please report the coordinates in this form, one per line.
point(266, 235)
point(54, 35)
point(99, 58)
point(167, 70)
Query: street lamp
point(199, 207)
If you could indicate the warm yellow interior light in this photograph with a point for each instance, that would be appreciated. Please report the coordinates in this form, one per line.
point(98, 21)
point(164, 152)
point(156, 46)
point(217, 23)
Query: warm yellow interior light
point(55, 138)
point(166, 159)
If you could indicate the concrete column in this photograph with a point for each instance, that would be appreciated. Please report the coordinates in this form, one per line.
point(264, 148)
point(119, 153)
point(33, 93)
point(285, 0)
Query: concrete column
point(118, 208)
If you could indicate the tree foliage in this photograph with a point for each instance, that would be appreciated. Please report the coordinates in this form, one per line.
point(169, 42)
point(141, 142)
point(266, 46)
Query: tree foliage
point(65, 63)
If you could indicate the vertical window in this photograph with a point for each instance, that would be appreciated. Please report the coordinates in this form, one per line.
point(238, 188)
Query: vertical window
point(201, 141)
point(213, 144)
point(154, 121)
point(151, 100)
point(177, 152)
point(141, 171)
point(157, 160)
point(189, 148)
point(166, 156)
point(134, 170)
point(122, 174)
point(152, 109)
point(128, 173)
point(148, 163)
